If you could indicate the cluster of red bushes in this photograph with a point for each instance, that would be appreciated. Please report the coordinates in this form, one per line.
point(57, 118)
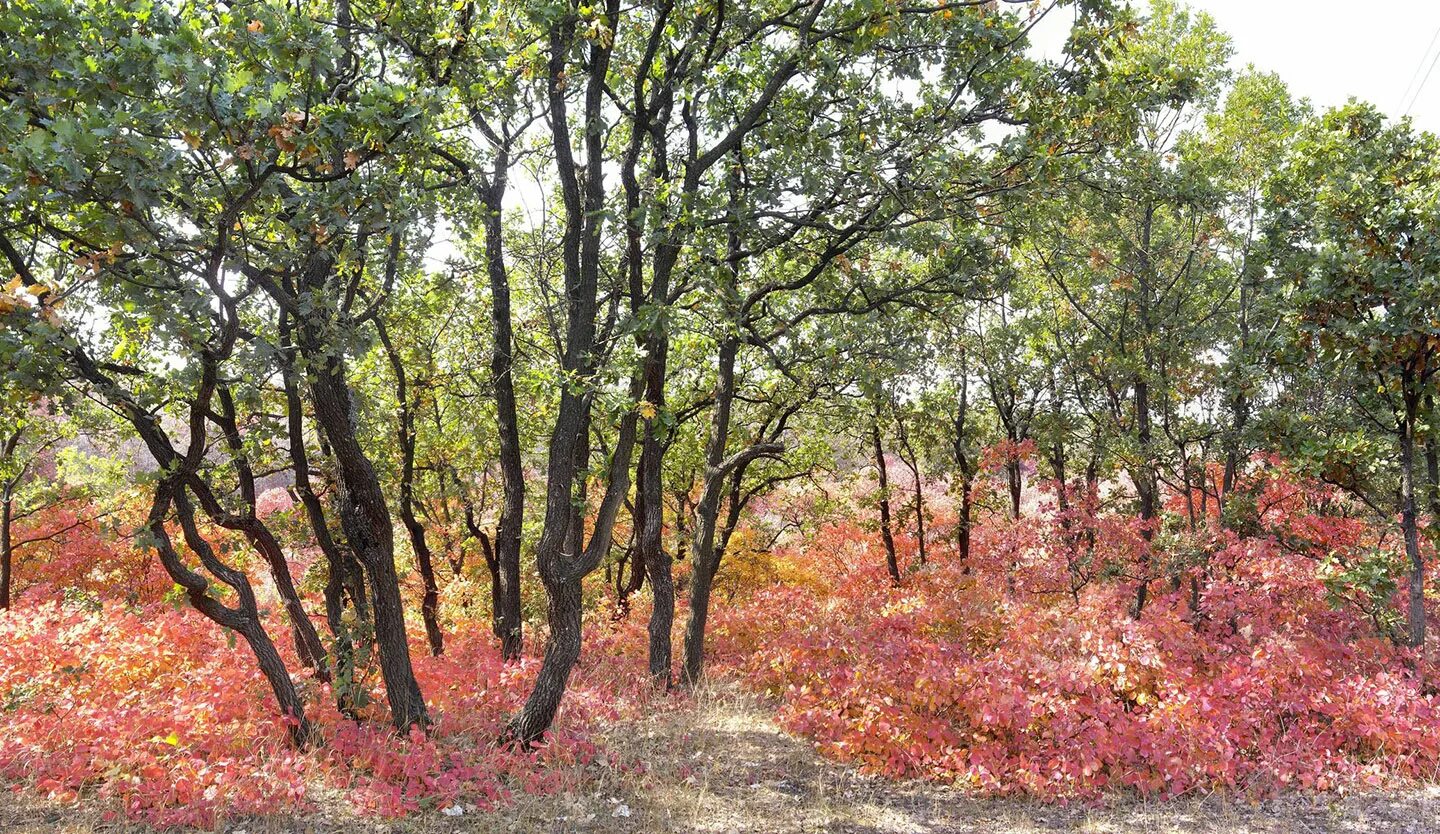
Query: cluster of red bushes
point(1262, 661)
point(149, 707)
point(1021, 671)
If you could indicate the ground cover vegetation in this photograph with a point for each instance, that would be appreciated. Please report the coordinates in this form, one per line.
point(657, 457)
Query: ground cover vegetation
point(399, 397)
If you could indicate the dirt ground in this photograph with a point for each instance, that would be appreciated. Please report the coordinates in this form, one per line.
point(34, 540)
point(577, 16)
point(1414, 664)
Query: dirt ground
point(725, 768)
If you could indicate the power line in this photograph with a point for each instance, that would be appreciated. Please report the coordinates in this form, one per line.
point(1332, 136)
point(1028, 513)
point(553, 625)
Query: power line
point(1421, 88)
point(1414, 75)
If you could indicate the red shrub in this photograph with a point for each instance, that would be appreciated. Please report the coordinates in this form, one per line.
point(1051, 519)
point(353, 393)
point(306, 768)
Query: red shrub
point(994, 675)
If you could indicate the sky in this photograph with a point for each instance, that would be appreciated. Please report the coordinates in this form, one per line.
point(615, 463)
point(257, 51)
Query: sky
point(1330, 50)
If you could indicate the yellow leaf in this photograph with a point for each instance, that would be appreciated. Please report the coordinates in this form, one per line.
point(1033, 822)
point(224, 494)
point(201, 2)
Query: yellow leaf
point(646, 410)
point(173, 740)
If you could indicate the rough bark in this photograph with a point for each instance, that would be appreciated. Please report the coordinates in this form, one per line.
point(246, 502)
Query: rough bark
point(345, 577)
point(1145, 488)
point(647, 303)
point(1015, 480)
point(657, 562)
point(1239, 402)
point(1409, 517)
point(7, 520)
point(170, 492)
point(7, 514)
point(364, 512)
point(561, 569)
point(703, 556)
point(562, 650)
point(1058, 451)
point(502, 375)
point(1146, 479)
point(965, 464)
point(630, 571)
point(492, 564)
point(886, 536)
point(245, 618)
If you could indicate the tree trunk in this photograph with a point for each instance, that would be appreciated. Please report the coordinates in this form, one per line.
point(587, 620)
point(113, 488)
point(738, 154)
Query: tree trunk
point(1409, 521)
point(502, 375)
point(244, 618)
point(966, 511)
point(497, 593)
point(273, 668)
point(405, 434)
point(492, 564)
point(1239, 403)
point(364, 516)
point(560, 575)
point(562, 567)
point(1239, 417)
point(402, 691)
point(963, 463)
point(344, 575)
point(912, 462)
point(654, 342)
point(1015, 479)
point(703, 557)
point(891, 563)
point(169, 493)
point(1058, 452)
point(307, 640)
point(424, 559)
point(682, 520)
point(7, 521)
point(562, 650)
point(1145, 489)
point(1144, 473)
point(652, 552)
point(629, 584)
point(7, 514)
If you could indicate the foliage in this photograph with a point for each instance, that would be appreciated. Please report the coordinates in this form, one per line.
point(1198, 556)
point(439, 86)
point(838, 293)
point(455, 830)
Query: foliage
point(990, 676)
point(139, 708)
point(424, 316)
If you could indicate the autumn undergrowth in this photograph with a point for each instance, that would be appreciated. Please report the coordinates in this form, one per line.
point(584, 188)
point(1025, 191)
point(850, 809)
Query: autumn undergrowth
point(1257, 664)
point(150, 710)
point(1260, 663)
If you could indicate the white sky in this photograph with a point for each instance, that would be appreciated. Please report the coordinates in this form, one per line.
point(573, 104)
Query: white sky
point(1330, 50)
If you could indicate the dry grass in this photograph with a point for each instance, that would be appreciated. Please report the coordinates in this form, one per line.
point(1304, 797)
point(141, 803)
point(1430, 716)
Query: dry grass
point(724, 767)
